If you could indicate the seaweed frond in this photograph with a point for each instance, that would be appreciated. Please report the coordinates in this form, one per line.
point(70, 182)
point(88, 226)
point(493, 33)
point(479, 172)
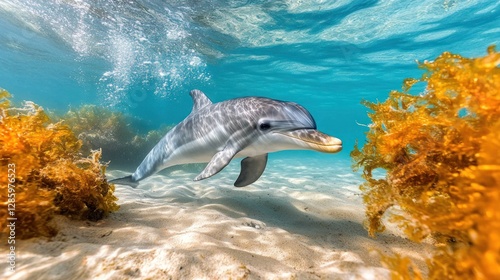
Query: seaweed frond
point(100, 128)
point(440, 153)
point(51, 177)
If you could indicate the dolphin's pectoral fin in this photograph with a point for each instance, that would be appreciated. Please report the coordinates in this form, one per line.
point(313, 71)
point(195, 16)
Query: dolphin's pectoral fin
point(217, 163)
point(251, 170)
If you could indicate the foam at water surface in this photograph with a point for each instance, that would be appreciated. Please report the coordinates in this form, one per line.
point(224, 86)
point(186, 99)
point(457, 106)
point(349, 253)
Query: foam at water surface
point(140, 42)
point(164, 48)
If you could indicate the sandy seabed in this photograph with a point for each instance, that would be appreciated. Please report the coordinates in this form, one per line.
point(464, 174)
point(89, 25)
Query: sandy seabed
point(300, 220)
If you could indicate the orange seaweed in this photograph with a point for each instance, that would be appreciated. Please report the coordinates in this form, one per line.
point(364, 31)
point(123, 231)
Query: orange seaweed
point(51, 177)
point(100, 128)
point(440, 153)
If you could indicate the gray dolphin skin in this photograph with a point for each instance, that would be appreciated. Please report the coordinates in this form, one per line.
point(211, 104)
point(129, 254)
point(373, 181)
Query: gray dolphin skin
point(249, 127)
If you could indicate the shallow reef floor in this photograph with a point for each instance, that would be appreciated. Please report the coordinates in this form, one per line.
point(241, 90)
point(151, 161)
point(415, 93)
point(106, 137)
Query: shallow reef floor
point(300, 221)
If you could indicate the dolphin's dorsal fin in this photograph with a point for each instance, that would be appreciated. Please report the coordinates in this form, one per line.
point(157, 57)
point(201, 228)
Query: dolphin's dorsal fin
point(200, 100)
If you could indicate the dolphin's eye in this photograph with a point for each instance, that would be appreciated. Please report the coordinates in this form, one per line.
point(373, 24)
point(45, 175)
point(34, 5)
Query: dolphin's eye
point(264, 126)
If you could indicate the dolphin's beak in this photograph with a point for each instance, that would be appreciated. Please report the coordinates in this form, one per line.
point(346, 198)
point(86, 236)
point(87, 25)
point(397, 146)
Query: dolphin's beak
point(314, 140)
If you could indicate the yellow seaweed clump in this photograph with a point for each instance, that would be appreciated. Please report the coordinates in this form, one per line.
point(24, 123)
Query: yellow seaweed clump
point(100, 128)
point(43, 173)
point(440, 153)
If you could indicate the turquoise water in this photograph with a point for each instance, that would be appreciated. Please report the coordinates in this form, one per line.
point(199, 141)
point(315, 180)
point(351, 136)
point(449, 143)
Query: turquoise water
point(143, 57)
point(303, 218)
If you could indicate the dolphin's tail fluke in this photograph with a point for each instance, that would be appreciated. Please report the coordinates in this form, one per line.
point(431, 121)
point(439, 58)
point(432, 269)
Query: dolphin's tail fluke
point(127, 180)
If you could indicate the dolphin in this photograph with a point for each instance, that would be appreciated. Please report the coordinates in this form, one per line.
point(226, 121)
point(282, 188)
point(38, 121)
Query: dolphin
point(249, 127)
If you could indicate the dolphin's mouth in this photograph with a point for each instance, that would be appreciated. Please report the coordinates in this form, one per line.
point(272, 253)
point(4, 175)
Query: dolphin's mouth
point(315, 140)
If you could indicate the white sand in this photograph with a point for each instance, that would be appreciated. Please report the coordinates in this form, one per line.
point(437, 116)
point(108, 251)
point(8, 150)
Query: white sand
point(296, 222)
